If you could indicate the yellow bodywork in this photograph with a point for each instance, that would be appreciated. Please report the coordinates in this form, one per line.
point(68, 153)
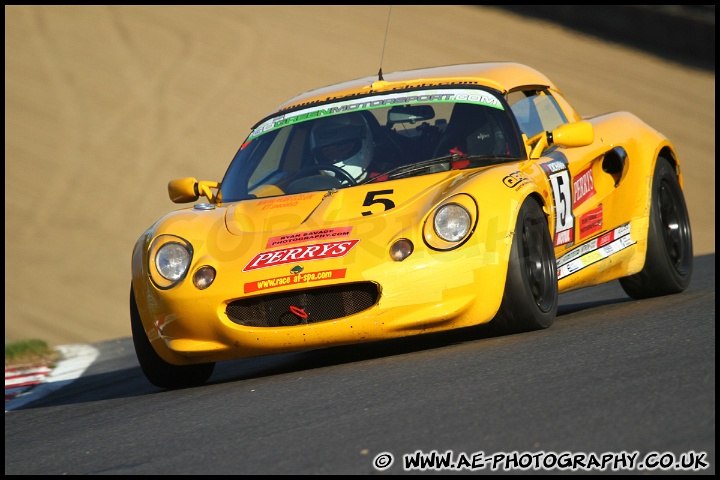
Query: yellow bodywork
point(431, 290)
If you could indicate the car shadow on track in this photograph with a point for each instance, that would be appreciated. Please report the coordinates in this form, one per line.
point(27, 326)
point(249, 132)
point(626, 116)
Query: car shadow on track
point(105, 381)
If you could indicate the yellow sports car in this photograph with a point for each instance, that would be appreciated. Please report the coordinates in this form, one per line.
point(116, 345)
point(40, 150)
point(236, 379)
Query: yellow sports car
point(403, 204)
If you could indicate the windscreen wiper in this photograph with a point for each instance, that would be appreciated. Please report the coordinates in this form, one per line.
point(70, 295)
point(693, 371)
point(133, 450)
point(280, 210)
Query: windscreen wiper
point(450, 162)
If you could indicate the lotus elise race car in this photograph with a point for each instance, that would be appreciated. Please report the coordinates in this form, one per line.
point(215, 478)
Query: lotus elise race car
point(404, 204)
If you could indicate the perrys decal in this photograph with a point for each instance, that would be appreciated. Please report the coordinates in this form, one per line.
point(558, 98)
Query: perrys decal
point(591, 222)
point(303, 253)
point(294, 279)
point(583, 187)
point(311, 235)
point(559, 177)
point(594, 251)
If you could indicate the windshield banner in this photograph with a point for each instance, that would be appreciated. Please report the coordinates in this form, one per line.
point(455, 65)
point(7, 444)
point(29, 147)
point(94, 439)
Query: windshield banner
point(479, 97)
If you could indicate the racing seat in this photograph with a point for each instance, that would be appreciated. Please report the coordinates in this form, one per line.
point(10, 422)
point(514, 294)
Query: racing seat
point(471, 131)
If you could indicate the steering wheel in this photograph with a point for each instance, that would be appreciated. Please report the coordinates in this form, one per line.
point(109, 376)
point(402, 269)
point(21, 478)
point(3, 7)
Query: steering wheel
point(339, 172)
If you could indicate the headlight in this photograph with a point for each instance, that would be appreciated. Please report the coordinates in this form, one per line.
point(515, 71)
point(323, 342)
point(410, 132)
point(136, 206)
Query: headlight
point(451, 223)
point(172, 261)
point(170, 258)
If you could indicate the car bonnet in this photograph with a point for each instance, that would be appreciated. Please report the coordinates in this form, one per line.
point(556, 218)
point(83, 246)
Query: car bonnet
point(348, 206)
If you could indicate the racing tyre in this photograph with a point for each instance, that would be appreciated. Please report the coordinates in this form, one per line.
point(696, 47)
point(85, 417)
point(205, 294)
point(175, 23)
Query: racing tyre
point(530, 300)
point(669, 260)
point(158, 371)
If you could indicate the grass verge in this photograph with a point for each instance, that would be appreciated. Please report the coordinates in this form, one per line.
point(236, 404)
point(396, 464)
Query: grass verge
point(28, 352)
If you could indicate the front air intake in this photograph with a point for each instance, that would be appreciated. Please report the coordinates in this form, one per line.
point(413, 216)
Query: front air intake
point(304, 306)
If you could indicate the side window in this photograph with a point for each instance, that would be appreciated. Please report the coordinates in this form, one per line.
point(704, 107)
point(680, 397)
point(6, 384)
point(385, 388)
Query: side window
point(536, 111)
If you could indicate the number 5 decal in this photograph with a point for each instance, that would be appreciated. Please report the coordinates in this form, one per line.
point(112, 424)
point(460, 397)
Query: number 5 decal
point(564, 220)
point(370, 199)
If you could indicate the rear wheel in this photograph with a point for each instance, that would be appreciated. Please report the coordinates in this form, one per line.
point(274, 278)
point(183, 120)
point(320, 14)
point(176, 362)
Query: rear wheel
point(530, 300)
point(158, 371)
point(668, 262)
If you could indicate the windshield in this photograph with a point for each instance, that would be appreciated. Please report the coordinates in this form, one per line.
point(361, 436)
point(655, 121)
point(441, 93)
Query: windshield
point(372, 139)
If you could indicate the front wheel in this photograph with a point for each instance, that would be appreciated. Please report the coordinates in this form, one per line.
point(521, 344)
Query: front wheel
point(668, 262)
point(158, 371)
point(530, 300)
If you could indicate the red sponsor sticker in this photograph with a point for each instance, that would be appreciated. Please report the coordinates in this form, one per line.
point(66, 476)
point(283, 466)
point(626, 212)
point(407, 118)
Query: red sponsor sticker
point(583, 187)
point(294, 279)
point(309, 236)
point(301, 253)
point(605, 239)
point(591, 222)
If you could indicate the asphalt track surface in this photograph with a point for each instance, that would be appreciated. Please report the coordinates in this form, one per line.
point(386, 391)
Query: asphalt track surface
point(105, 104)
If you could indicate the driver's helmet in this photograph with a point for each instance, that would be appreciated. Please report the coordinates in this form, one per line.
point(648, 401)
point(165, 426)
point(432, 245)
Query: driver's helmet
point(344, 141)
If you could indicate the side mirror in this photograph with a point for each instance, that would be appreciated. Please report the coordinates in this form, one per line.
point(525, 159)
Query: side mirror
point(184, 190)
point(577, 134)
